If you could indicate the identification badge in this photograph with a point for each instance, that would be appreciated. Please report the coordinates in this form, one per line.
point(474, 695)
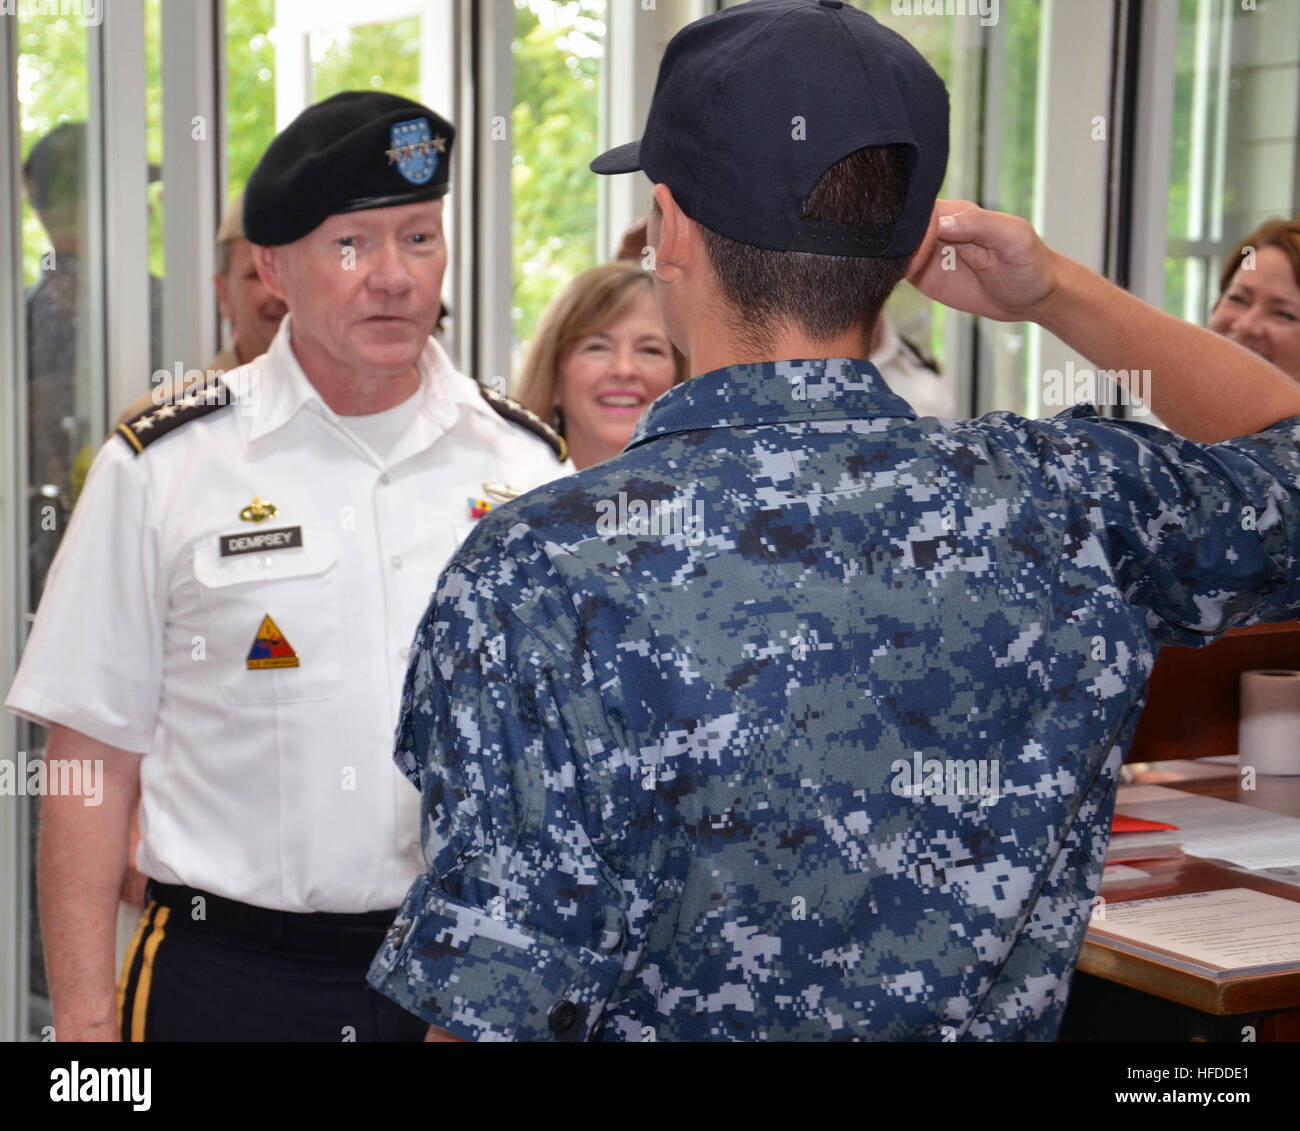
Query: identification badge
point(285, 538)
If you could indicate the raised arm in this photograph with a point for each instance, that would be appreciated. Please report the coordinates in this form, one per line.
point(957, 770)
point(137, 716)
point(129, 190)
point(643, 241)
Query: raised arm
point(1202, 386)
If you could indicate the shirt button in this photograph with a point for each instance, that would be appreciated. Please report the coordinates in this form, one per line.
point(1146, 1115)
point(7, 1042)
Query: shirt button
point(562, 1018)
point(397, 562)
point(384, 480)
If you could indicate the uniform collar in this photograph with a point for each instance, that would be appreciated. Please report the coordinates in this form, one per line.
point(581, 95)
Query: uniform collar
point(773, 392)
point(277, 389)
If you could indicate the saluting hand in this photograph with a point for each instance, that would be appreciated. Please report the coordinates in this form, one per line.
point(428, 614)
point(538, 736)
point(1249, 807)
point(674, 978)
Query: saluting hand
point(987, 263)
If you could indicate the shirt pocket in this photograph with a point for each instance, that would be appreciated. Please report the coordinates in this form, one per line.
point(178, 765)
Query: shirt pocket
point(300, 591)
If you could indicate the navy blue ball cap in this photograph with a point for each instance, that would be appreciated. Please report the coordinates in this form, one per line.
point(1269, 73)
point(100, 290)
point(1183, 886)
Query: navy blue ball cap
point(359, 149)
point(754, 103)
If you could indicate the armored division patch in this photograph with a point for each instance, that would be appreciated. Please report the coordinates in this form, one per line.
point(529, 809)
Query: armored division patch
point(270, 649)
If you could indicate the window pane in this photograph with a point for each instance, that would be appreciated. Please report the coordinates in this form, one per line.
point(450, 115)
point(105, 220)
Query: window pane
point(994, 100)
point(63, 432)
point(1004, 354)
point(153, 98)
point(557, 52)
point(250, 86)
point(62, 437)
point(371, 56)
point(1233, 157)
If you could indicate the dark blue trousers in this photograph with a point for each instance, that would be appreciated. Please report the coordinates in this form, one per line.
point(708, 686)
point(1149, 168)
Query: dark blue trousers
point(224, 978)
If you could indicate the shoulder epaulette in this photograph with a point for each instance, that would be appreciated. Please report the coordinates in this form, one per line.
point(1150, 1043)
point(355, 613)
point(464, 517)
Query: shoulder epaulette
point(144, 428)
point(928, 362)
point(526, 418)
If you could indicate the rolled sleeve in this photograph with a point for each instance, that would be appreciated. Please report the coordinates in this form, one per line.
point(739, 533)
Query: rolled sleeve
point(486, 979)
point(516, 932)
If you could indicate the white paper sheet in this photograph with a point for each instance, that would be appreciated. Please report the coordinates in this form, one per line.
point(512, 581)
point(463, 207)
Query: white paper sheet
point(1215, 829)
point(1123, 874)
point(1221, 931)
point(1191, 769)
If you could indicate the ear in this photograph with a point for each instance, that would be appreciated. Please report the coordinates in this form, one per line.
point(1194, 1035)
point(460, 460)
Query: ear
point(678, 236)
point(922, 253)
point(219, 283)
point(268, 270)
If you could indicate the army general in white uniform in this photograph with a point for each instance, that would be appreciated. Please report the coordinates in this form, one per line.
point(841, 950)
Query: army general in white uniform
point(227, 624)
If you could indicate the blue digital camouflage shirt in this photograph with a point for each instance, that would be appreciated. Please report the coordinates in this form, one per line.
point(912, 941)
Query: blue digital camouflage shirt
point(802, 717)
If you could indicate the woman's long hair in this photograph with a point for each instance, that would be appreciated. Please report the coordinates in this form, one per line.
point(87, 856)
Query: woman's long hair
point(587, 305)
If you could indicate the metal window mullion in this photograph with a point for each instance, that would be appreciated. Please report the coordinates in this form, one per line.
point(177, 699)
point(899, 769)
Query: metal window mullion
point(14, 857)
point(972, 174)
point(464, 216)
point(118, 102)
point(1154, 123)
point(191, 134)
point(1219, 160)
point(1072, 169)
point(441, 91)
point(493, 198)
point(293, 79)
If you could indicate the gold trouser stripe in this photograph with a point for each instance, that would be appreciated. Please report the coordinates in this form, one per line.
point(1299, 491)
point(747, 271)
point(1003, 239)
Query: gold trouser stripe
point(141, 1007)
point(131, 951)
point(135, 440)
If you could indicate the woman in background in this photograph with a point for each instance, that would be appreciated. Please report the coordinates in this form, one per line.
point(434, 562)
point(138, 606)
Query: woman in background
point(600, 356)
point(1259, 295)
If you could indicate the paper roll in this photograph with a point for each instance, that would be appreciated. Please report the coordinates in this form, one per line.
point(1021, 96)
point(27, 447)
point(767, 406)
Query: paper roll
point(1268, 737)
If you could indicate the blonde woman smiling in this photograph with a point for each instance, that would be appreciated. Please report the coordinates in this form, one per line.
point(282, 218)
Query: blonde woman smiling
point(600, 356)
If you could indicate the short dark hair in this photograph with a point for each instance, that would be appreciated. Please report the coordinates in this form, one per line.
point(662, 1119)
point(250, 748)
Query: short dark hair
point(825, 295)
point(55, 168)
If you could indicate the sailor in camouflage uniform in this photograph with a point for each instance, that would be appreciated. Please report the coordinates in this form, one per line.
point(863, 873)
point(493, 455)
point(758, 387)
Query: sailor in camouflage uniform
point(801, 718)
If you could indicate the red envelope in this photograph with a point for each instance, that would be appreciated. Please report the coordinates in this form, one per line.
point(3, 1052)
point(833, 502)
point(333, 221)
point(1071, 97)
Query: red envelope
point(1122, 824)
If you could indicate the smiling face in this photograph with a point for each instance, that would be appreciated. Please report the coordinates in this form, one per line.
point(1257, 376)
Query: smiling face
point(607, 379)
point(363, 288)
point(1261, 311)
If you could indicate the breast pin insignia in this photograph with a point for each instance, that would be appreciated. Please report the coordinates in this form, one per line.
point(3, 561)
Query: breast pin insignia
point(257, 511)
point(501, 492)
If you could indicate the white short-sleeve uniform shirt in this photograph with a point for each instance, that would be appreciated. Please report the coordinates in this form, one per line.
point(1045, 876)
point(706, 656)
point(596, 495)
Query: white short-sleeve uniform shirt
point(269, 783)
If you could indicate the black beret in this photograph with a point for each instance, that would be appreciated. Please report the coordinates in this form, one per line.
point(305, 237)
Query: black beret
point(359, 149)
